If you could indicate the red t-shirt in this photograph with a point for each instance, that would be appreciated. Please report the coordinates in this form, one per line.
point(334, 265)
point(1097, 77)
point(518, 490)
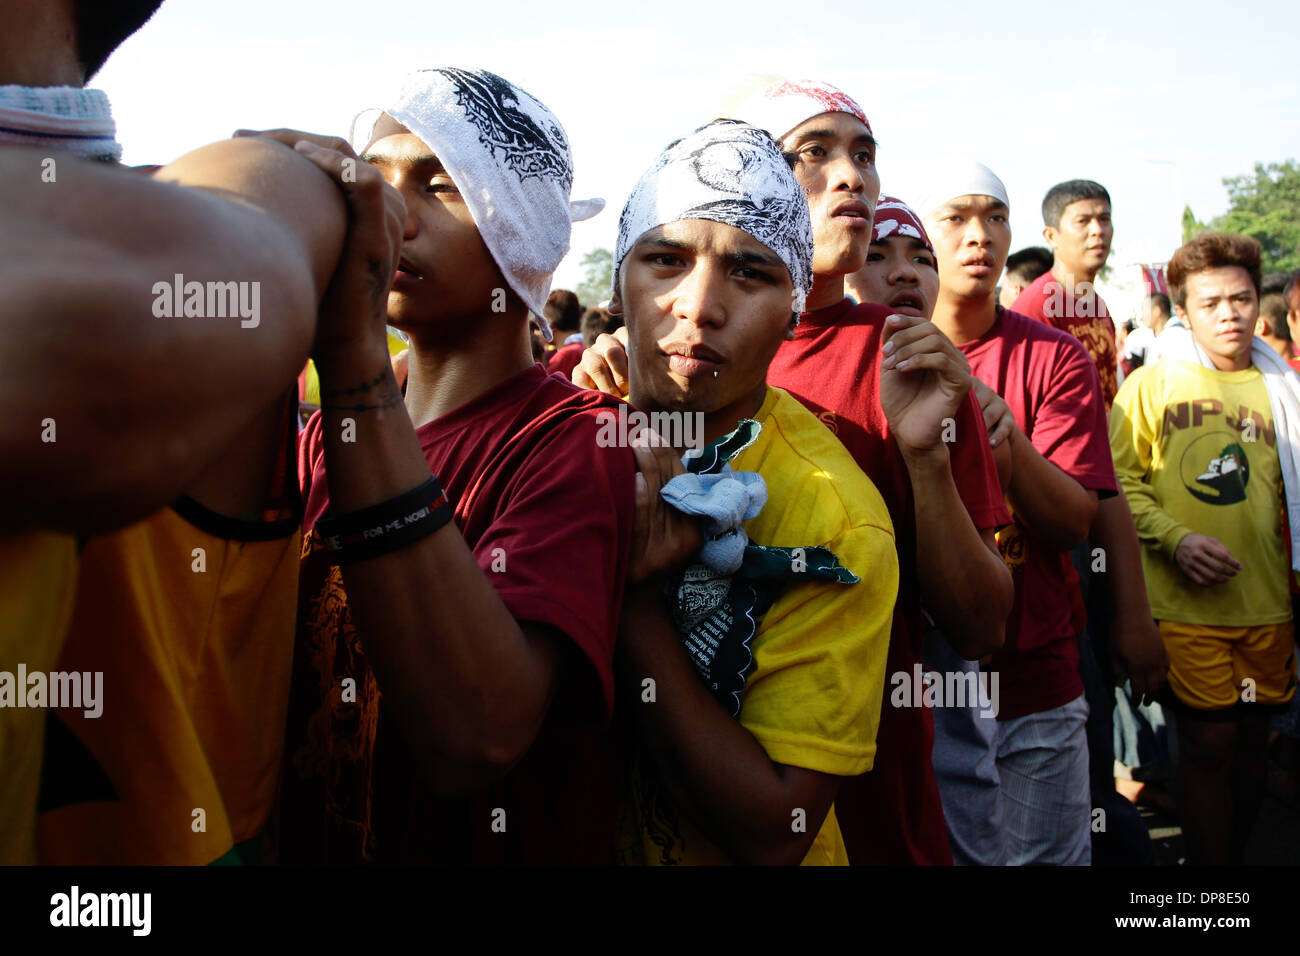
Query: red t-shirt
point(891, 815)
point(1051, 387)
point(1088, 320)
point(565, 359)
point(548, 513)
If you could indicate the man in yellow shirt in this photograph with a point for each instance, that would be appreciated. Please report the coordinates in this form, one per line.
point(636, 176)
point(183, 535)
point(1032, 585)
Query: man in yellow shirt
point(756, 685)
point(1197, 453)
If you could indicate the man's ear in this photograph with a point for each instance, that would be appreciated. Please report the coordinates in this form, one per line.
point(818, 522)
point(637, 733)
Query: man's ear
point(1049, 235)
point(615, 302)
point(790, 326)
point(1181, 314)
point(1261, 327)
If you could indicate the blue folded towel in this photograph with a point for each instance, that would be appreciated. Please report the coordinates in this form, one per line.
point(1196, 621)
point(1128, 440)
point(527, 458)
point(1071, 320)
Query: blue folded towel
point(724, 501)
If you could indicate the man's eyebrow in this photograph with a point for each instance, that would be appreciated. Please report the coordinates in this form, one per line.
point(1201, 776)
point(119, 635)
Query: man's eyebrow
point(420, 159)
point(663, 242)
point(738, 257)
point(747, 257)
point(962, 205)
point(864, 139)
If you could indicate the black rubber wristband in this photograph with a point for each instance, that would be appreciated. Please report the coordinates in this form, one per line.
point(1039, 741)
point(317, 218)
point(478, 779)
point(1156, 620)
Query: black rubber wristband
point(387, 526)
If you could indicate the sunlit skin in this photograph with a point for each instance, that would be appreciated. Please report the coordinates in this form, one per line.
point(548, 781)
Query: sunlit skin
point(446, 272)
point(699, 298)
point(1009, 291)
point(1080, 242)
point(971, 237)
point(1221, 306)
point(836, 166)
point(901, 274)
point(1293, 312)
point(1154, 319)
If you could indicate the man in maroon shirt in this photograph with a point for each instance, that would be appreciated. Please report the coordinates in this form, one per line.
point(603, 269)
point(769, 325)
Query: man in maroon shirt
point(450, 690)
point(892, 388)
point(1060, 466)
point(1121, 637)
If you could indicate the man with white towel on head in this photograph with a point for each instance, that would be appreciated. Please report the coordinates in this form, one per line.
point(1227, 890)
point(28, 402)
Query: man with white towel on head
point(1060, 465)
point(452, 686)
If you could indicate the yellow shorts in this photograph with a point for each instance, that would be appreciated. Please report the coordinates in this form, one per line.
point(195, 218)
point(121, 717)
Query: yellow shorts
point(1214, 668)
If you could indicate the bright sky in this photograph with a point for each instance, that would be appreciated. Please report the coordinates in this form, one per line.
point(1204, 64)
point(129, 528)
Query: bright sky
point(1156, 100)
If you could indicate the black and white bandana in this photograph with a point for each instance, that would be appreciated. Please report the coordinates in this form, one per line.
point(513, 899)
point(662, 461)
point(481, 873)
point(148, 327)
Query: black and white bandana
point(509, 157)
point(731, 173)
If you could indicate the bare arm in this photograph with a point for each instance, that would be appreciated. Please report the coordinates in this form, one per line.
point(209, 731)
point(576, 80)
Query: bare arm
point(964, 584)
point(140, 403)
point(710, 765)
point(1052, 505)
point(1138, 650)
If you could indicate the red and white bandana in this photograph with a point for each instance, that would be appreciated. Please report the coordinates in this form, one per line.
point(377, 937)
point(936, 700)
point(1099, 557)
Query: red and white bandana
point(896, 218)
point(783, 105)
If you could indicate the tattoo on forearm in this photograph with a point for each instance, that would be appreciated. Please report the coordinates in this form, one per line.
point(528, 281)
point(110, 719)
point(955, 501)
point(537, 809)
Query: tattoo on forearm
point(382, 389)
point(375, 382)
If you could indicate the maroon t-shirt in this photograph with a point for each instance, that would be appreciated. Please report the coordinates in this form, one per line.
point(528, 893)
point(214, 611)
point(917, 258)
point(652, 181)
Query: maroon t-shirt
point(565, 359)
point(1088, 320)
point(1047, 380)
point(892, 814)
point(547, 512)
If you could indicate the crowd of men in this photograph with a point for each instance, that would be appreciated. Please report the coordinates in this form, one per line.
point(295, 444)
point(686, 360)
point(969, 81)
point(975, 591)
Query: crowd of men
point(831, 538)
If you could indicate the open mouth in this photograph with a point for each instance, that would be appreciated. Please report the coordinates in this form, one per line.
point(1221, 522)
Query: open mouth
point(405, 269)
point(853, 213)
point(908, 300)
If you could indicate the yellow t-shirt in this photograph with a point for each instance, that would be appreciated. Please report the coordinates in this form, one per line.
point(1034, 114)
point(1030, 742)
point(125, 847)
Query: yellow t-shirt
point(813, 697)
point(190, 618)
point(311, 378)
point(1195, 451)
point(38, 574)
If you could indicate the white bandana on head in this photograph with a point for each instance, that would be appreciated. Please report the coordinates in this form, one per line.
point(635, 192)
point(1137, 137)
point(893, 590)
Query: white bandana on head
point(783, 105)
point(965, 178)
point(64, 118)
point(509, 157)
point(731, 173)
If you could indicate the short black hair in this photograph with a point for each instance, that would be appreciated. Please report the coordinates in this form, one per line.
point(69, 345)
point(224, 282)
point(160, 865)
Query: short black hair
point(1062, 194)
point(1273, 282)
point(103, 25)
point(1162, 300)
point(594, 322)
point(1029, 263)
point(562, 310)
point(1272, 309)
point(1291, 284)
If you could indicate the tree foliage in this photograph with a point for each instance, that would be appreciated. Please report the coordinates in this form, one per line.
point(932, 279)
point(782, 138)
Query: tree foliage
point(598, 277)
point(1191, 225)
point(1266, 205)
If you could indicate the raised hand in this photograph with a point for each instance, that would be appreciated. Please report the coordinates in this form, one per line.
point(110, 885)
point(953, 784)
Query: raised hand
point(923, 381)
point(604, 365)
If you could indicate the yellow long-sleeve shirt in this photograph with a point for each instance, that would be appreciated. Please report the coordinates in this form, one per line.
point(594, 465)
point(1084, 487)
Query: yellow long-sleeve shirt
point(1195, 451)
